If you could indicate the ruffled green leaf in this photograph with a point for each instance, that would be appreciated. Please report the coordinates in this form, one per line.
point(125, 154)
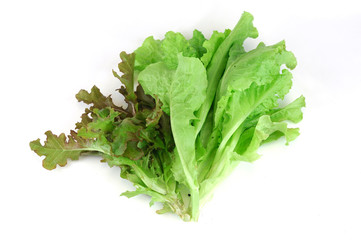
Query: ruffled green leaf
point(172, 45)
point(196, 42)
point(243, 30)
point(292, 112)
point(212, 45)
point(251, 140)
point(150, 52)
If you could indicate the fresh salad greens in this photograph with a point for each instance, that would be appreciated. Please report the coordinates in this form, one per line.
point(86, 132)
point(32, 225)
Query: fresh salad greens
point(194, 109)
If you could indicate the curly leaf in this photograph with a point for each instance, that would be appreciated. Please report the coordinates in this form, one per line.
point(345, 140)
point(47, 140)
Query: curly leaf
point(95, 97)
point(98, 101)
point(58, 149)
point(126, 66)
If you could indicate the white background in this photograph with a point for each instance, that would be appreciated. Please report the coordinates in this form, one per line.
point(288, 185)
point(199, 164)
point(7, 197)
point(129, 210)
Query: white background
point(49, 50)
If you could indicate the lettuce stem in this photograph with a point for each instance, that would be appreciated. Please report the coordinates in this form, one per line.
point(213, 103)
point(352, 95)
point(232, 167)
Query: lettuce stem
point(195, 204)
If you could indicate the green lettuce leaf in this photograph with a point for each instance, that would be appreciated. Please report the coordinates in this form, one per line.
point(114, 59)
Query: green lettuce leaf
point(212, 45)
point(243, 30)
point(150, 52)
point(196, 42)
point(292, 112)
point(182, 92)
point(167, 50)
point(263, 130)
point(260, 65)
point(250, 88)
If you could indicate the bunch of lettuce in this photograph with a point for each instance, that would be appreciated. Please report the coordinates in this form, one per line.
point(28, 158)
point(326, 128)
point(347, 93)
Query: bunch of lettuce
point(195, 109)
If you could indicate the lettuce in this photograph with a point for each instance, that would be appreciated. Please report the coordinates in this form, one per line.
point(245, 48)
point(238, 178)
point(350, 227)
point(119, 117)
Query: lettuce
point(200, 106)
